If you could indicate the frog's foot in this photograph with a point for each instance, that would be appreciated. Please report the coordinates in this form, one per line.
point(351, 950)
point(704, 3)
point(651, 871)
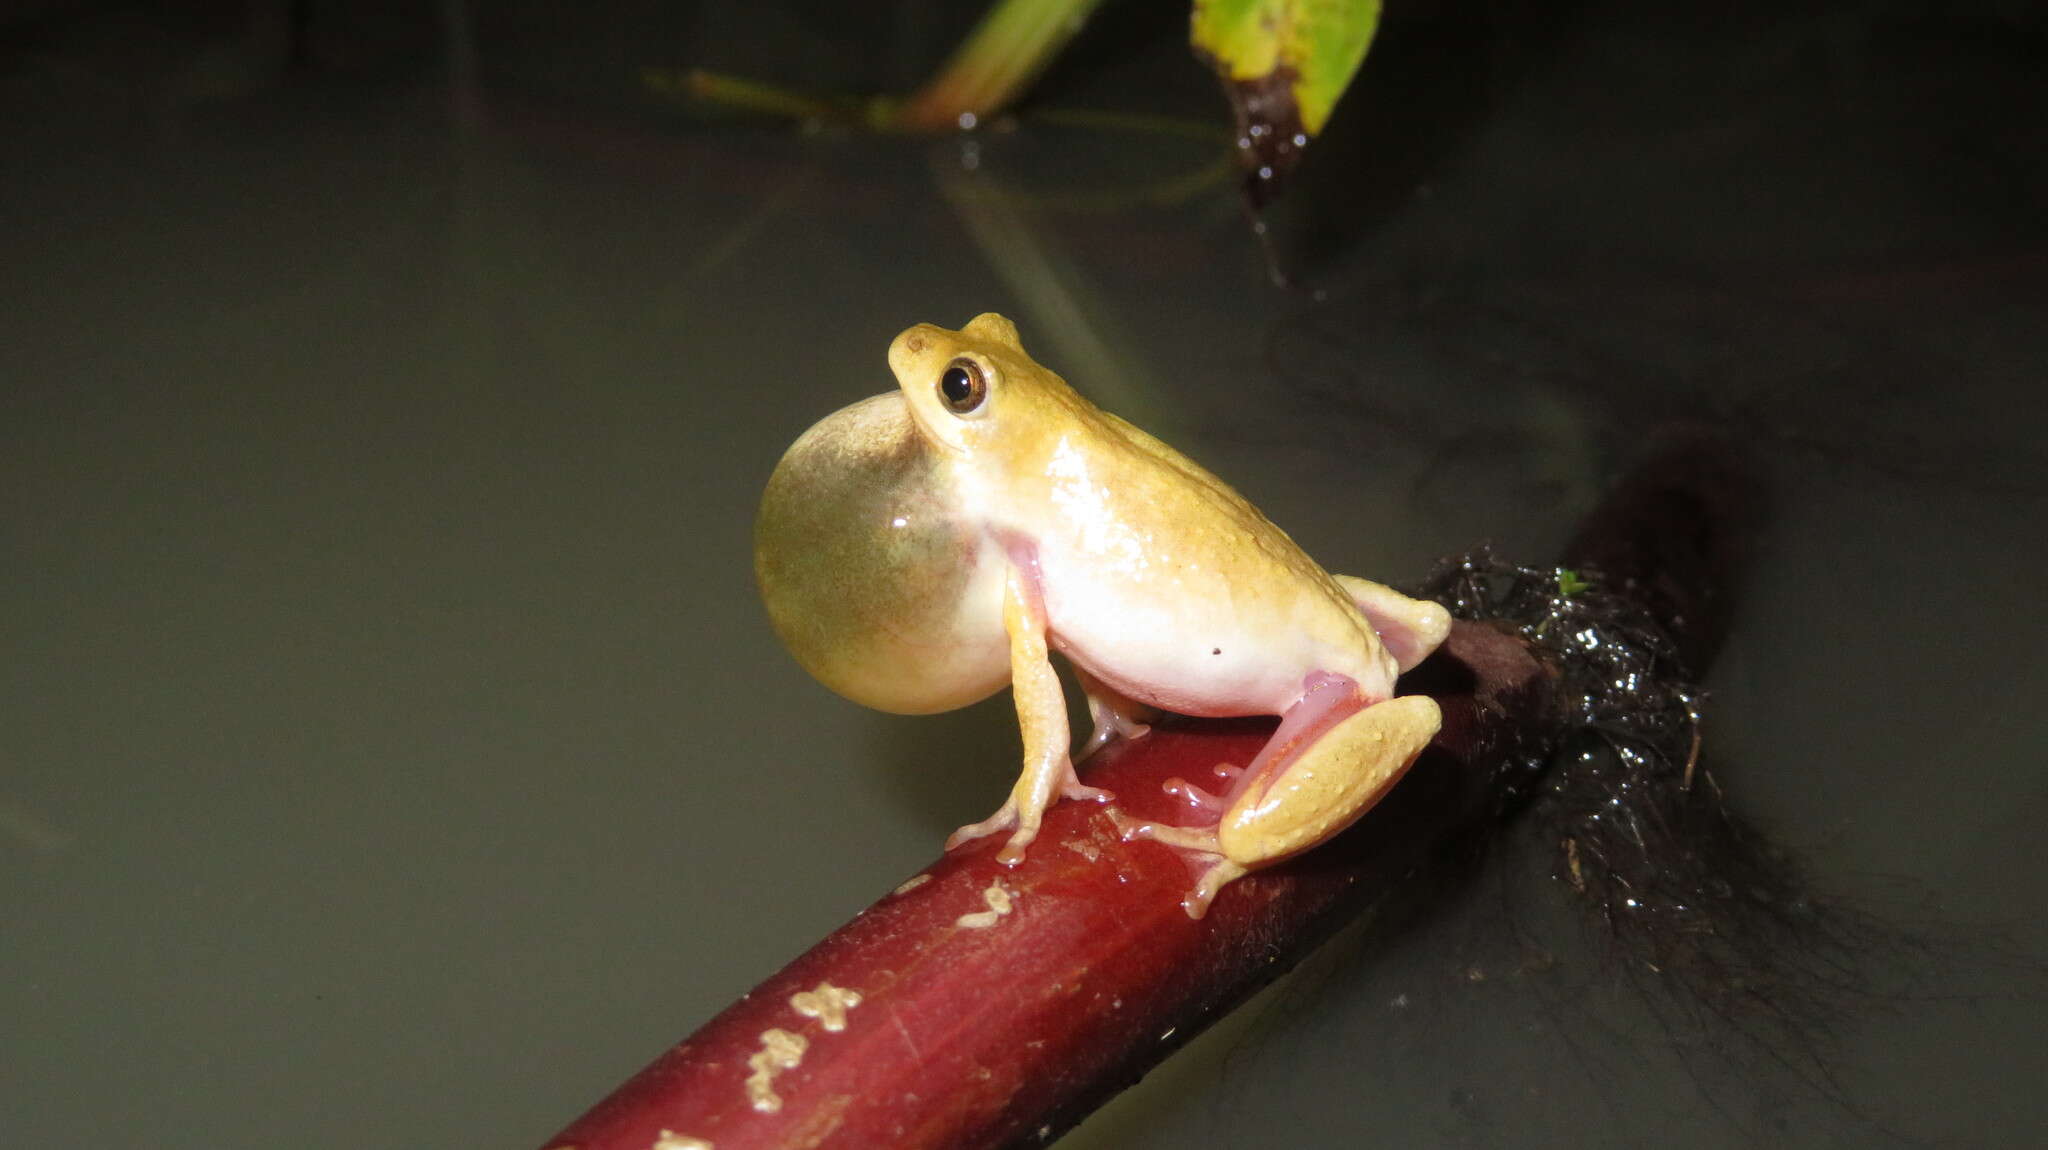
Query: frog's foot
point(1116, 716)
point(1022, 813)
point(1197, 847)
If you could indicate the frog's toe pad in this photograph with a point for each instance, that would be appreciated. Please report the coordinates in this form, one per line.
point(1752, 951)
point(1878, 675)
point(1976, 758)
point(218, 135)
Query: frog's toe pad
point(1195, 797)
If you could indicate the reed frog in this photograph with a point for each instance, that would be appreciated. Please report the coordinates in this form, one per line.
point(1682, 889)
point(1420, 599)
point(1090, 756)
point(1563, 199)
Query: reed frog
point(921, 549)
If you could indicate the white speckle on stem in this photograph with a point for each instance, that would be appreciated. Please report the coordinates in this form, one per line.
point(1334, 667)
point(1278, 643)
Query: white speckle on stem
point(780, 1050)
point(828, 1004)
point(999, 904)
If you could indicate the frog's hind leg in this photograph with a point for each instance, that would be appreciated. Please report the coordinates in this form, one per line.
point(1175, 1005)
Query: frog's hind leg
point(1311, 796)
point(1333, 757)
point(1115, 715)
point(1408, 628)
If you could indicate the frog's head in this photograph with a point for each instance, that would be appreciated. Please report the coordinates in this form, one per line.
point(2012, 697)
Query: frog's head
point(973, 389)
point(872, 548)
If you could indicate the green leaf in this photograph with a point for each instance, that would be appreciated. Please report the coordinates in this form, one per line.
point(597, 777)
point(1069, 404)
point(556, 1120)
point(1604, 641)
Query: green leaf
point(1569, 583)
point(1308, 48)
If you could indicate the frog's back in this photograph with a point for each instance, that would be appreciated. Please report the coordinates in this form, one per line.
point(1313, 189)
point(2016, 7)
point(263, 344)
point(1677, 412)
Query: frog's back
point(1190, 479)
point(1178, 492)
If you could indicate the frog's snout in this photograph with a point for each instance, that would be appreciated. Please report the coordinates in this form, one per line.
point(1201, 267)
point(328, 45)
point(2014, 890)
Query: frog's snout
point(910, 352)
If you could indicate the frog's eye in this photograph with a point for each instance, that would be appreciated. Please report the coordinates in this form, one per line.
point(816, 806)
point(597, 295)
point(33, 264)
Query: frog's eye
point(964, 386)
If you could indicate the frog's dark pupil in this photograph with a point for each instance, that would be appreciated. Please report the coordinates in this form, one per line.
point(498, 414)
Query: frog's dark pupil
point(958, 385)
point(963, 386)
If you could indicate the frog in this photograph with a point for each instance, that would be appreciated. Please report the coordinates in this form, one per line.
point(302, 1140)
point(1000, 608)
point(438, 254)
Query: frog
point(921, 549)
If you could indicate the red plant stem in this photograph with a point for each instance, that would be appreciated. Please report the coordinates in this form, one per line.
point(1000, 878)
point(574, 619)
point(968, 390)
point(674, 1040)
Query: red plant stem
point(999, 1005)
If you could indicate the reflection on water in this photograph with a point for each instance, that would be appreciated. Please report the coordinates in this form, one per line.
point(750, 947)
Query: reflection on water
point(389, 704)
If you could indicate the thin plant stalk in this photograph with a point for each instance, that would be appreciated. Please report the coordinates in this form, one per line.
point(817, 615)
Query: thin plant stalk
point(1011, 46)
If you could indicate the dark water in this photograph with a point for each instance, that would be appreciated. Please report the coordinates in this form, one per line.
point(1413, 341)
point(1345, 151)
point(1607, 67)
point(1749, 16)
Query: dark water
point(392, 750)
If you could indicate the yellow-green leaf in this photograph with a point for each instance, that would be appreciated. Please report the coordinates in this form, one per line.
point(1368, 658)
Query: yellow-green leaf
point(1311, 48)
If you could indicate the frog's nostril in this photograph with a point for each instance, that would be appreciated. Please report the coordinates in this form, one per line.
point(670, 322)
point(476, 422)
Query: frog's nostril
point(914, 344)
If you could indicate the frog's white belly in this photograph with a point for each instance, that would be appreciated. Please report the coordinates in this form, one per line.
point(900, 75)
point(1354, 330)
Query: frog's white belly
point(1231, 653)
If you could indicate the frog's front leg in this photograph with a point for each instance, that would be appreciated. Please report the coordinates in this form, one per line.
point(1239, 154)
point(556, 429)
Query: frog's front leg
point(1041, 717)
point(1334, 755)
point(1116, 716)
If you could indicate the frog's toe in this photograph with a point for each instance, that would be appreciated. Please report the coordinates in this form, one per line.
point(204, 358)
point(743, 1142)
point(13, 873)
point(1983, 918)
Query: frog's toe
point(1079, 790)
point(1020, 841)
point(1072, 787)
point(1194, 796)
point(1026, 829)
point(1004, 819)
point(1108, 732)
point(1215, 877)
point(1181, 838)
